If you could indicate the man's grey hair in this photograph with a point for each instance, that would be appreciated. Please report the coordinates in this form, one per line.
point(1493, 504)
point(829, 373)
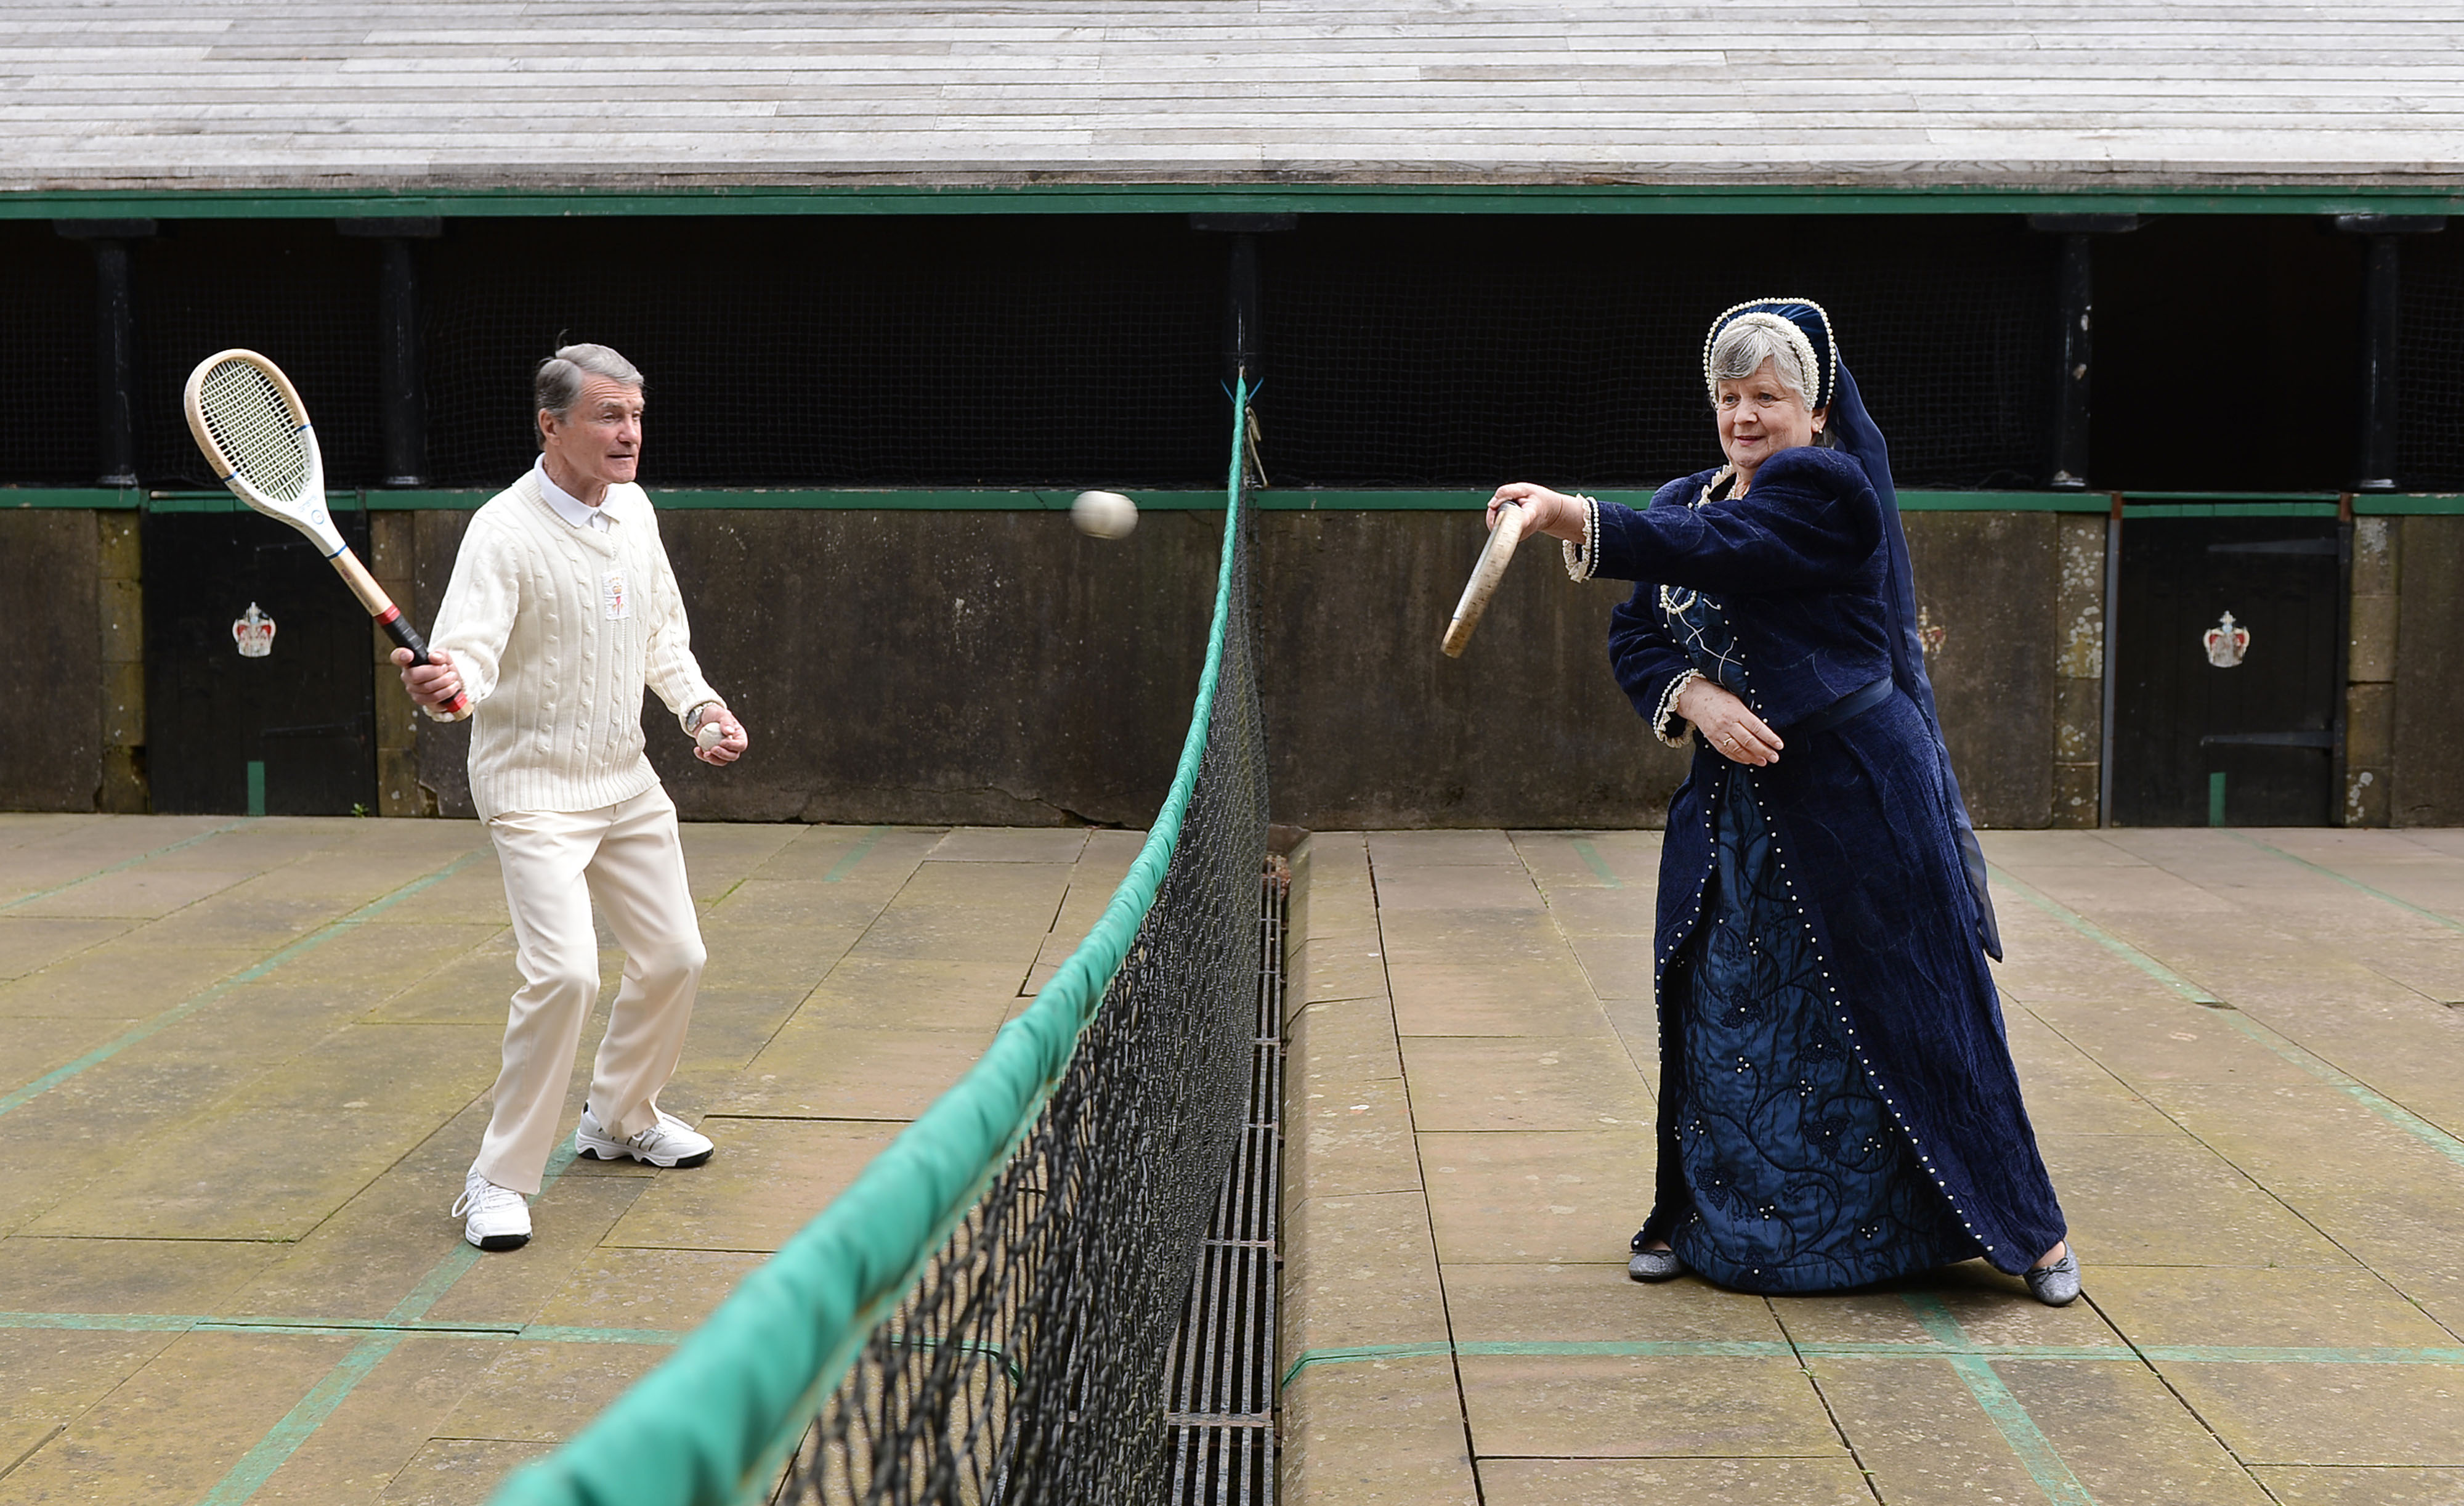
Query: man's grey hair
point(560, 378)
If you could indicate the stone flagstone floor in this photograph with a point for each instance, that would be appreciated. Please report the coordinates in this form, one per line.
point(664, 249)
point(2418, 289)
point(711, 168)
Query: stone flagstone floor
point(243, 1064)
point(2244, 1053)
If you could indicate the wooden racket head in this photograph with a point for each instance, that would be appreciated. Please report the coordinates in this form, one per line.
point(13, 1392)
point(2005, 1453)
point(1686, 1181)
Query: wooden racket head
point(1486, 573)
point(254, 430)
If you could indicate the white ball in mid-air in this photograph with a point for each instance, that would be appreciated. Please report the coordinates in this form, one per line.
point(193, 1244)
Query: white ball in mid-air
point(1104, 515)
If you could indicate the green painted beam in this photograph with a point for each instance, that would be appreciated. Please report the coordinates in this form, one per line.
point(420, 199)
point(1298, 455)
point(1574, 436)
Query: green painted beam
point(1298, 498)
point(1177, 198)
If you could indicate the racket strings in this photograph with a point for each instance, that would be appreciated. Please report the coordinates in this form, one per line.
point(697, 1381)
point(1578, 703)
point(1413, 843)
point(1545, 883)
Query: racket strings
point(254, 428)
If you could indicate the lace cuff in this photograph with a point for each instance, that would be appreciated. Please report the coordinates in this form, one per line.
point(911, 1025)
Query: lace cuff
point(1666, 713)
point(1582, 559)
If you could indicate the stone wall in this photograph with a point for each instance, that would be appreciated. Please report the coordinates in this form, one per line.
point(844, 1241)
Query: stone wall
point(53, 675)
point(2427, 760)
point(998, 668)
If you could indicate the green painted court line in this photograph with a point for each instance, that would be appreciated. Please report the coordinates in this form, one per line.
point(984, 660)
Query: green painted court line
point(190, 1322)
point(2107, 940)
point(854, 855)
point(2317, 1066)
point(2035, 1450)
point(301, 1424)
point(141, 858)
point(2352, 1087)
point(20, 1096)
point(2210, 1354)
point(2350, 881)
point(1944, 1340)
point(1590, 856)
point(105, 1322)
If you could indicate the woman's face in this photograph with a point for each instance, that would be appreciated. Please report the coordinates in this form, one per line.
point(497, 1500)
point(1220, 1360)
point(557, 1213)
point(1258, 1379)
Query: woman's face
point(1759, 417)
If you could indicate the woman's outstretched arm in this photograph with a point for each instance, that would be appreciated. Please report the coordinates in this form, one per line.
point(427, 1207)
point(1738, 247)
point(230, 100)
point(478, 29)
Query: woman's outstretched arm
point(1811, 520)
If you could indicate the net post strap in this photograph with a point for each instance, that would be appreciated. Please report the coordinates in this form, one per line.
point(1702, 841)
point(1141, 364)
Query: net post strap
point(711, 1425)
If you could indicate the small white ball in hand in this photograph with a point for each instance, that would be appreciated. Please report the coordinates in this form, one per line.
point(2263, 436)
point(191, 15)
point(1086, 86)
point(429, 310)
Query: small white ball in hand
point(1104, 515)
point(709, 734)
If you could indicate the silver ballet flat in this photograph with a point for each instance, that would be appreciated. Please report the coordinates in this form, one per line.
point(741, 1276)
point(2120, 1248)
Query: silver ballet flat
point(2057, 1285)
point(1655, 1265)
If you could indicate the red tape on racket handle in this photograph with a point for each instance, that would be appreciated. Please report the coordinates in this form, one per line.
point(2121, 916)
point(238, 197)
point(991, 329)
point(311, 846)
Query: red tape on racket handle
point(398, 627)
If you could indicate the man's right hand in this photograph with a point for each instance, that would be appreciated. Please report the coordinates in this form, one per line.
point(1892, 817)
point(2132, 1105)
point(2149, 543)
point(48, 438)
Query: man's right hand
point(431, 684)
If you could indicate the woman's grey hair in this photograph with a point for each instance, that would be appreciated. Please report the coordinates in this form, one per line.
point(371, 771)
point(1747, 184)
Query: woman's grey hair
point(560, 378)
point(1747, 344)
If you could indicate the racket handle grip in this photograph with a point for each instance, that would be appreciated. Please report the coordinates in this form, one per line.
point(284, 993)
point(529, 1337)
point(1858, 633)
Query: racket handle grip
point(398, 627)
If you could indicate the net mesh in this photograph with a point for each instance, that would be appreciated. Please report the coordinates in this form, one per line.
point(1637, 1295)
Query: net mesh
point(989, 1311)
point(1030, 1364)
point(1054, 351)
point(1463, 352)
point(49, 423)
point(843, 350)
point(252, 424)
point(2429, 362)
point(300, 295)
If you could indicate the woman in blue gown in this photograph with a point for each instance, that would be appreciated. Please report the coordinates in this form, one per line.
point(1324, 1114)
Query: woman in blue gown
point(1838, 1101)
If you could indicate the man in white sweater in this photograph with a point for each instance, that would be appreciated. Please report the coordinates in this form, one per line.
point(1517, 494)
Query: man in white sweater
point(560, 610)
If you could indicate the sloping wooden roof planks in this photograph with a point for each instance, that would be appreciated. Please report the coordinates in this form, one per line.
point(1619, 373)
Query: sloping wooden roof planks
point(410, 96)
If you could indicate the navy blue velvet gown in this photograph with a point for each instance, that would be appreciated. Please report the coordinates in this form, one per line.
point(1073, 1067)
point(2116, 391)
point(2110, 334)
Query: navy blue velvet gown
point(1837, 1100)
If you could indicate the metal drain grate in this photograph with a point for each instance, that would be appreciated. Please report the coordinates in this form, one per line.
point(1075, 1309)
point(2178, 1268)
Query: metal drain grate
point(1222, 1377)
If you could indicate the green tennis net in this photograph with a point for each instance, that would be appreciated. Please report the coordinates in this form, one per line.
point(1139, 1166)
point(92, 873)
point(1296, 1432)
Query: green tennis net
point(987, 1313)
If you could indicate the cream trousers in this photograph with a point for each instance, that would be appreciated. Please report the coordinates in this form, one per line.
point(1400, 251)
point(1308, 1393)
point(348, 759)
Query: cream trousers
point(629, 859)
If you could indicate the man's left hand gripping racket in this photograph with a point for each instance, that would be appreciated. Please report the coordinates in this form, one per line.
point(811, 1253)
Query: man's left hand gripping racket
point(250, 422)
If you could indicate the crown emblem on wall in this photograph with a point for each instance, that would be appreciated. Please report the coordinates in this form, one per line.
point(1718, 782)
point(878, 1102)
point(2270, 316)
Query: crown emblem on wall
point(2226, 642)
point(254, 633)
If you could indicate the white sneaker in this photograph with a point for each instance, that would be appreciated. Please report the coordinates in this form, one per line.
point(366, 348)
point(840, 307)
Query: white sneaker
point(670, 1143)
point(493, 1217)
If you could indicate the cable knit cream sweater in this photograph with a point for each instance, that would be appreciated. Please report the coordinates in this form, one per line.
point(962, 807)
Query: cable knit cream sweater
point(556, 629)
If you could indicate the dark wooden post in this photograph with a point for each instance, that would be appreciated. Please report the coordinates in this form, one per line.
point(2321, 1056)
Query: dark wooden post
point(115, 342)
point(2381, 328)
point(1240, 346)
point(2074, 299)
point(402, 403)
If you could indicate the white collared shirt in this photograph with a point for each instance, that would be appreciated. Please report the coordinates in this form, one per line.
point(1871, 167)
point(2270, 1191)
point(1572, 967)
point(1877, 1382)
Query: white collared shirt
point(569, 507)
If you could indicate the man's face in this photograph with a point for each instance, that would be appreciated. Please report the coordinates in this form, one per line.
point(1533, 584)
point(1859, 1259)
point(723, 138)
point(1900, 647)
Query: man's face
point(600, 442)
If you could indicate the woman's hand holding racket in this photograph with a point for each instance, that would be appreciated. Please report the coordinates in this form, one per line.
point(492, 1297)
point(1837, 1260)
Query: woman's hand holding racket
point(1544, 511)
point(1737, 733)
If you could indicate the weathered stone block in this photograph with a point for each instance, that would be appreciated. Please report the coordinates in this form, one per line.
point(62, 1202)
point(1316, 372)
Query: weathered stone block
point(51, 746)
point(2369, 726)
point(123, 620)
point(2427, 771)
point(1985, 599)
point(2376, 552)
point(2374, 639)
point(2079, 721)
point(2075, 795)
point(123, 704)
point(2080, 608)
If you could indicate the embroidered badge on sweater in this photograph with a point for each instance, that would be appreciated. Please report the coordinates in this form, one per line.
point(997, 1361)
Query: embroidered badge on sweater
point(613, 597)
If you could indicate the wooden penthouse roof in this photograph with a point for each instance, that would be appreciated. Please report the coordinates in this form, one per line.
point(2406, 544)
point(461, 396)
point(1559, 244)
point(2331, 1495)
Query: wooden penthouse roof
point(472, 96)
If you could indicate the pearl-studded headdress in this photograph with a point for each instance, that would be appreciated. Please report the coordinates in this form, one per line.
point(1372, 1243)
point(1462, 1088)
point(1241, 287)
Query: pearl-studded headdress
point(1802, 323)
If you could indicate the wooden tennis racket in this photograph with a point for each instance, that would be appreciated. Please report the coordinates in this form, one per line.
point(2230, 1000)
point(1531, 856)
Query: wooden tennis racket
point(254, 432)
point(1486, 573)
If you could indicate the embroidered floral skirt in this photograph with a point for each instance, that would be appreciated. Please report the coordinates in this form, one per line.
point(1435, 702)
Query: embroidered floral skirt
point(1797, 1177)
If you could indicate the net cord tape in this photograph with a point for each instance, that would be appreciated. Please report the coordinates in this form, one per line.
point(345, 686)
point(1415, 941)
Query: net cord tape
point(714, 1422)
